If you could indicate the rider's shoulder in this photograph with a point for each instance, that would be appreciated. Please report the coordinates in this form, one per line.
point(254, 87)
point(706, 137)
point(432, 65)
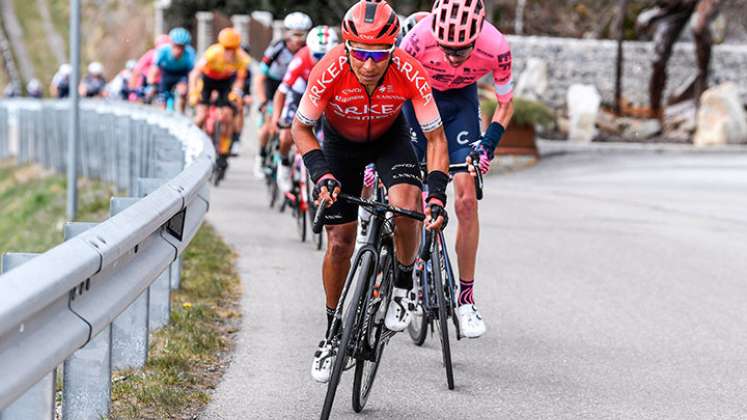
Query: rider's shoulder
point(491, 41)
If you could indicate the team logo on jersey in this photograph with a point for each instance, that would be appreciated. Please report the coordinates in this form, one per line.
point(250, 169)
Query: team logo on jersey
point(461, 137)
point(414, 76)
point(325, 79)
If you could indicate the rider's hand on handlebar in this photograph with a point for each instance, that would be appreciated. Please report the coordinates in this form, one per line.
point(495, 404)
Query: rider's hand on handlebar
point(327, 189)
point(481, 158)
point(435, 214)
point(263, 107)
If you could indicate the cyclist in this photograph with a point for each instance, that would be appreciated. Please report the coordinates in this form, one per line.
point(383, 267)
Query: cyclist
point(413, 20)
point(60, 86)
point(93, 83)
point(459, 47)
point(360, 88)
point(119, 87)
point(243, 103)
point(319, 42)
point(221, 69)
point(34, 89)
point(274, 64)
point(139, 88)
point(174, 61)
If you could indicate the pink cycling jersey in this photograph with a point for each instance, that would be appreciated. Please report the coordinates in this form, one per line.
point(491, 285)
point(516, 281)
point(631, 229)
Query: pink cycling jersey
point(491, 54)
point(144, 64)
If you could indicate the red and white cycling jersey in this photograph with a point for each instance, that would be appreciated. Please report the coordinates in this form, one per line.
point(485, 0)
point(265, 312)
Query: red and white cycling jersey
point(491, 54)
point(335, 91)
point(299, 69)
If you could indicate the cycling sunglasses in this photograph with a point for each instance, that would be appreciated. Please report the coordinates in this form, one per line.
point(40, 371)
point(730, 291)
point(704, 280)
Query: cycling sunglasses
point(376, 55)
point(318, 56)
point(458, 52)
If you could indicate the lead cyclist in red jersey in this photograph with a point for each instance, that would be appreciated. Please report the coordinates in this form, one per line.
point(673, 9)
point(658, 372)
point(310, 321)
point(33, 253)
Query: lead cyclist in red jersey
point(458, 47)
point(359, 89)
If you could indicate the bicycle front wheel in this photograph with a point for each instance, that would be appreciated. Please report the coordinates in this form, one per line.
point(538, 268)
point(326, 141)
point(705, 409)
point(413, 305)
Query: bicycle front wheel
point(372, 332)
point(443, 324)
point(352, 309)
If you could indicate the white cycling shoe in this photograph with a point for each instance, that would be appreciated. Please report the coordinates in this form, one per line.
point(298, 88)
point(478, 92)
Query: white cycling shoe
point(398, 313)
point(324, 360)
point(284, 178)
point(471, 324)
point(259, 171)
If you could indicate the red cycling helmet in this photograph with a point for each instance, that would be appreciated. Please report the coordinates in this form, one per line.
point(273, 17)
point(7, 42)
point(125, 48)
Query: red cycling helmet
point(370, 22)
point(457, 23)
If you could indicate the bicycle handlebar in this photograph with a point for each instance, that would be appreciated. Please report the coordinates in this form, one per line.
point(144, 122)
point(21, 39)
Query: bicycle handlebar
point(374, 206)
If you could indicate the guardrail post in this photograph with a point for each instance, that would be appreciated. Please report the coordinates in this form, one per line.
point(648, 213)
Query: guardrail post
point(87, 373)
point(160, 290)
point(130, 328)
point(38, 403)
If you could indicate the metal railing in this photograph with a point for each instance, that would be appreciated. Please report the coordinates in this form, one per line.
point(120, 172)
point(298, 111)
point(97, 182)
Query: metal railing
point(90, 302)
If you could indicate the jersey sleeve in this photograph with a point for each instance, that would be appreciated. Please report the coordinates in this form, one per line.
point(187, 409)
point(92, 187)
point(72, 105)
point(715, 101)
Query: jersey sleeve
point(244, 62)
point(210, 56)
point(319, 88)
point(295, 69)
point(270, 55)
point(421, 95)
point(502, 77)
point(161, 56)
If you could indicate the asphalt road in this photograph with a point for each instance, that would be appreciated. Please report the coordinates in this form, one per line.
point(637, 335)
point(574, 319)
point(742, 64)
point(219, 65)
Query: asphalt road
point(613, 287)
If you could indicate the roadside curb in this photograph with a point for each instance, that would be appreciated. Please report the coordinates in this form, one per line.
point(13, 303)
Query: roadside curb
point(550, 148)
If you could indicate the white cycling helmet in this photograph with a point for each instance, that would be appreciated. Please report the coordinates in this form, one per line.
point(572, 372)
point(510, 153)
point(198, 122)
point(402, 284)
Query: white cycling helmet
point(297, 21)
point(95, 68)
point(65, 69)
point(321, 40)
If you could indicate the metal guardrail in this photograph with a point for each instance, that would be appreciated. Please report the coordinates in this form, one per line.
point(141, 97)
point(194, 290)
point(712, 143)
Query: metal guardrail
point(91, 301)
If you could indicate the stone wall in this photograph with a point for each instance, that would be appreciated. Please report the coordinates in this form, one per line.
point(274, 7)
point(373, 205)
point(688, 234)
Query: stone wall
point(593, 62)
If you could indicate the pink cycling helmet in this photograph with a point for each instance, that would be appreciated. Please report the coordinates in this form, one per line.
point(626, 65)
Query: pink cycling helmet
point(457, 23)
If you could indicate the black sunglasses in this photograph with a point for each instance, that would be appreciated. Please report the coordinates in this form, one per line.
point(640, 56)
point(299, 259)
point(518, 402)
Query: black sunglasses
point(458, 52)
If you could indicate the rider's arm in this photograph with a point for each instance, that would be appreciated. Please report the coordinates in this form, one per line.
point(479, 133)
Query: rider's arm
point(278, 103)
point(504, 110)
point(195, 73)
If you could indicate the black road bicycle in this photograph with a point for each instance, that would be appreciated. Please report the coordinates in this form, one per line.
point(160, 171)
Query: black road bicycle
point(437, 287)
point(358, 333)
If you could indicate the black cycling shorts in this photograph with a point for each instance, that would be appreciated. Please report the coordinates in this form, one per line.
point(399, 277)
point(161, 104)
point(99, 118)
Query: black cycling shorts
point(223, 87)
point(271, 86)
point(392, 154)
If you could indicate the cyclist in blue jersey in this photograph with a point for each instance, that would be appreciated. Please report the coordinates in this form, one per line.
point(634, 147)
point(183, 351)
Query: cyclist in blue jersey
point(175, 61)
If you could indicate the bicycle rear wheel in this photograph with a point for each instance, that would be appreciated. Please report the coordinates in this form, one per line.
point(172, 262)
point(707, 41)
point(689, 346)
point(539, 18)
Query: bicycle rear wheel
point(351, 315)
point(418, 328)
point(443, 324)
point(373, 339)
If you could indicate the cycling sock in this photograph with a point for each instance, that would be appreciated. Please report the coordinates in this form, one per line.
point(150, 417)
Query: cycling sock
point(330, 317)
point(466, 296)
point(285, 160)
point(263, 152)
point(403, 279)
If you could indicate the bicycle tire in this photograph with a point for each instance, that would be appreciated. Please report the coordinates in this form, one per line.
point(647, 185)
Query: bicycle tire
point(347, 333)
point(418, 328)
point(443, 324)
point(366, 369)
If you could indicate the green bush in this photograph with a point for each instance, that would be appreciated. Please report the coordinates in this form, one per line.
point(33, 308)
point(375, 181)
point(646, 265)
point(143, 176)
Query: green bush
point(526, 112)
